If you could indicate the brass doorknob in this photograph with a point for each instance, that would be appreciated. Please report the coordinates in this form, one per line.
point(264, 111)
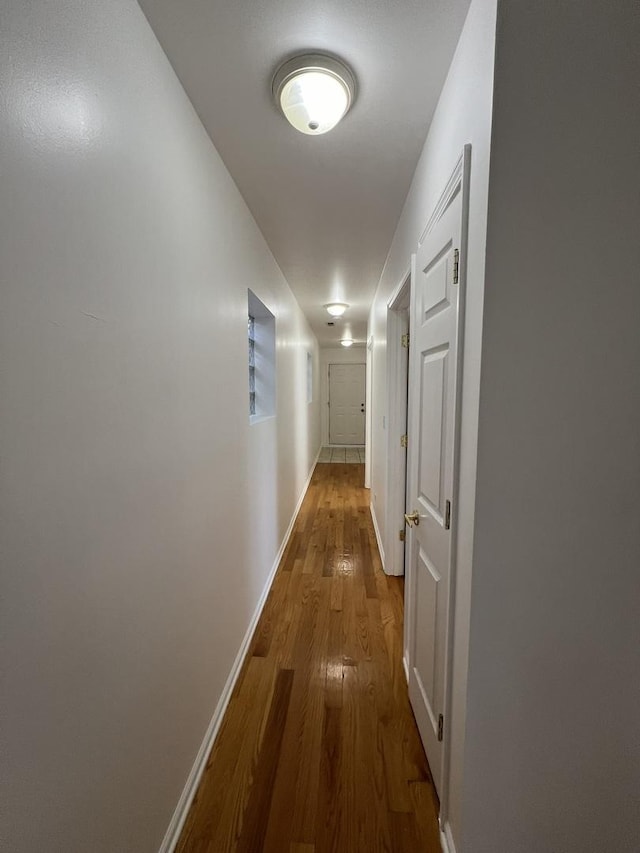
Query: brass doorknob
point(412, 519)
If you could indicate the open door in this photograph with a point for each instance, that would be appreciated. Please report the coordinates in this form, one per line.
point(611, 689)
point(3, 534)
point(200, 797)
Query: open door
point(435, 363)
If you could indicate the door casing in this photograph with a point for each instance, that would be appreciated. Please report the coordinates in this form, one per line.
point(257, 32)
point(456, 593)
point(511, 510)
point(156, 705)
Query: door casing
point(368, 409)
point(398, 309)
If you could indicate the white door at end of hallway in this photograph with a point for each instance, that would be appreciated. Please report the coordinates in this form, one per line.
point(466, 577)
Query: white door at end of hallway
point(434, 371)
point(346, 403)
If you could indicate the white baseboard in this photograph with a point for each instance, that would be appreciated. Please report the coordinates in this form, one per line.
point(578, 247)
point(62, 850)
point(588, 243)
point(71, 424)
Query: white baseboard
point(446, 839)
point(184, 803)
point(378, 537)
point(405, 664)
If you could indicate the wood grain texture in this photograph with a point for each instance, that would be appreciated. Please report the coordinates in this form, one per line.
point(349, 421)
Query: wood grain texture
point(318, 751)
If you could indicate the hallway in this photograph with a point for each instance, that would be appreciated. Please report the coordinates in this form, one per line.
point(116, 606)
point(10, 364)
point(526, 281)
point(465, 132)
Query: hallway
point(318, 751)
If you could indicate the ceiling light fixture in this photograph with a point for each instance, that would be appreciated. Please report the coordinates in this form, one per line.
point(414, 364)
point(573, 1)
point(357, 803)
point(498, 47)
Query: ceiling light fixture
point(346, 342)
point(336, 309)
point(314, 92)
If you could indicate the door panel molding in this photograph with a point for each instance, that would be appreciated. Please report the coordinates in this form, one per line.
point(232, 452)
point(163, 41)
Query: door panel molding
point(434, 297)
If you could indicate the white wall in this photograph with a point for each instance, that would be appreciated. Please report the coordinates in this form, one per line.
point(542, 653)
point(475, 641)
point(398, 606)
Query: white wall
point(140, 514)
point(553, 741)
point(334, 355)
point(463, 115)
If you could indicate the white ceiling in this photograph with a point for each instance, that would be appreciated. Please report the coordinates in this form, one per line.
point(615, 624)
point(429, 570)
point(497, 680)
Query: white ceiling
point(327, 205)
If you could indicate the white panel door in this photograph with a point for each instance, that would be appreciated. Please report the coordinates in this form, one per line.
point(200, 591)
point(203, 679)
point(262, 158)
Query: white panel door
point(346, 403)
point(432, 433)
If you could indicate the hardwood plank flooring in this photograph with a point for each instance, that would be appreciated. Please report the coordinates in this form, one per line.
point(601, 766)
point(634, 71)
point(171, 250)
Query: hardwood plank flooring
point(318, 751)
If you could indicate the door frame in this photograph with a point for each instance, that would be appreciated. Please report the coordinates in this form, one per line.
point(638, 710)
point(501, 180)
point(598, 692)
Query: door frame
point(397, 422)
point(368, 410)
point(458, 182)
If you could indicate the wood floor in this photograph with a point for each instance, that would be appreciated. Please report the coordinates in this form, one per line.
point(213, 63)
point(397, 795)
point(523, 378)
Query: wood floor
point(318, 751)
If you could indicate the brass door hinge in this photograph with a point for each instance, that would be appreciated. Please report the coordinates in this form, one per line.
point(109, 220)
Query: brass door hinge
point(404, 440)
point(401, 535)
point(405, 341)
point(456, 266)
point(440, 727)
point(447, 515)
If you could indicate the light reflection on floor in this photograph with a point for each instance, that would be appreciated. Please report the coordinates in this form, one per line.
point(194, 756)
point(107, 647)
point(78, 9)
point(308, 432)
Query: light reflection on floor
point(344, 565)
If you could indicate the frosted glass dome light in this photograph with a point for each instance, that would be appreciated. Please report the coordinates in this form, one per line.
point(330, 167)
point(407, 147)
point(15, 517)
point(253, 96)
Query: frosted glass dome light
point(314, 92)
point(336, 309)
point(346, 342)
